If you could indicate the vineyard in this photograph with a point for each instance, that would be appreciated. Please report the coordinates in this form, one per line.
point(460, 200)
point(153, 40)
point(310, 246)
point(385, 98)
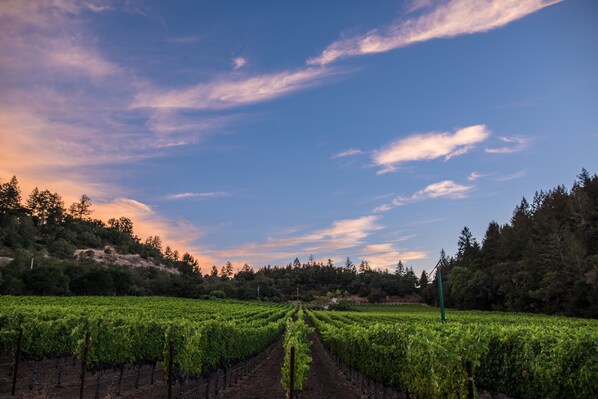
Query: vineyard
point(184, 338)
point(166, 347)
point(522, 356)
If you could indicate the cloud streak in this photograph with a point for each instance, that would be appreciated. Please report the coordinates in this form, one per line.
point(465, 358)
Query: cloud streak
point(347, 153)
point(445, 20)
point(427, 146)
point(513, 176)
point(230, 92)
point(199, 196)
point(445, 188)
point(442, 189)
point(341, 234)
point(473, 176)
point(514, 144)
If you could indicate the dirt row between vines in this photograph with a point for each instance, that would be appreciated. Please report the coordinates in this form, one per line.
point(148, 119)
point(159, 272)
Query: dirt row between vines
point(324, 380)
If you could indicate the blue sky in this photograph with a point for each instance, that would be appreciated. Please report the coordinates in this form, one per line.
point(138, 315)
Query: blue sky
point(263, 131)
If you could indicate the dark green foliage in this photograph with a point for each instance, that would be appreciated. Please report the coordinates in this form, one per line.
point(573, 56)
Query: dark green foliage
point(45, 280)
point(544, 260)
point(376, 295)
point(61, 248)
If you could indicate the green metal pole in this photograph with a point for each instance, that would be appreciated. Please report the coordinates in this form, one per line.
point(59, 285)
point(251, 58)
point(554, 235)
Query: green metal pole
point(440, 295)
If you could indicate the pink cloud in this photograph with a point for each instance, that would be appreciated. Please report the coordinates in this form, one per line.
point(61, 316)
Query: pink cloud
point(428, 146)
point(447, 19)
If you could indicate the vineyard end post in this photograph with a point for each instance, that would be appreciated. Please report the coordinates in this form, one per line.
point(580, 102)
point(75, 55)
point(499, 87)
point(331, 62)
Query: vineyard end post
point(84, 365)
point(292, 374)
point(170, 366)
point(17, 357)
point(470, 391)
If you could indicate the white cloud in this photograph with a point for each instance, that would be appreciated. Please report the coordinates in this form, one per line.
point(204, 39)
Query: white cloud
point(513, 176)
point(445, 188)
point(199, 196)
point(514, 144)
point(239, 62)
point(428, 146)
point(447, 19)
point(475, 176)
point(232, 92)
point(347, 153)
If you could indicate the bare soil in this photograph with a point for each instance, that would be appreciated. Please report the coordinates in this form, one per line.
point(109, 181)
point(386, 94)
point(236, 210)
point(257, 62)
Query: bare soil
point(259, 378)
point(324, 381)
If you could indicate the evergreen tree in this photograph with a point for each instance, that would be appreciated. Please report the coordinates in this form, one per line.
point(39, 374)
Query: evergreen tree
point(123, 225)
point(155, 243)
point(10, 197)
point(423, 281)
point(400, 269)
point(81, 209)
point(47, 207)
point(168, 253)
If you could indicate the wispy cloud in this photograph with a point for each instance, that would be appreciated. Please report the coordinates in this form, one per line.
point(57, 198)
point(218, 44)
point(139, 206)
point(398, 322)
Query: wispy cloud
point(341, 234)
point(75, 57)
point(199, 196)
point(64, 116)
point(473, 176)
point(443, 189)
point(232, 92)
point(347, 153)
point(444, 20)
point(382, 208)
point(513, 176)
point(239, 62)
point(514, 144)
point(428, 146)
point(446, 188)
point(43, 33)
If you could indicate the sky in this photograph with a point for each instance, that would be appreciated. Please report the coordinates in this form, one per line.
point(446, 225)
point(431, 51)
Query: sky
point(263, 131)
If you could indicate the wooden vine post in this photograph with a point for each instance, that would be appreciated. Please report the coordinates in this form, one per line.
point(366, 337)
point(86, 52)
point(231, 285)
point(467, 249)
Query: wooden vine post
point(470, 393)
point(292, 375)
point(84, 365)
point(170, 367)
point(17, 358)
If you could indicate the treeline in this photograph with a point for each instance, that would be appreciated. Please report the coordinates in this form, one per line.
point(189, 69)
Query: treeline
point(544, 260)
point(39, 236)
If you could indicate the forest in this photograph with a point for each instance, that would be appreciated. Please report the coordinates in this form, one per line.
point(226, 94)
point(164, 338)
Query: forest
point(545, 259)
